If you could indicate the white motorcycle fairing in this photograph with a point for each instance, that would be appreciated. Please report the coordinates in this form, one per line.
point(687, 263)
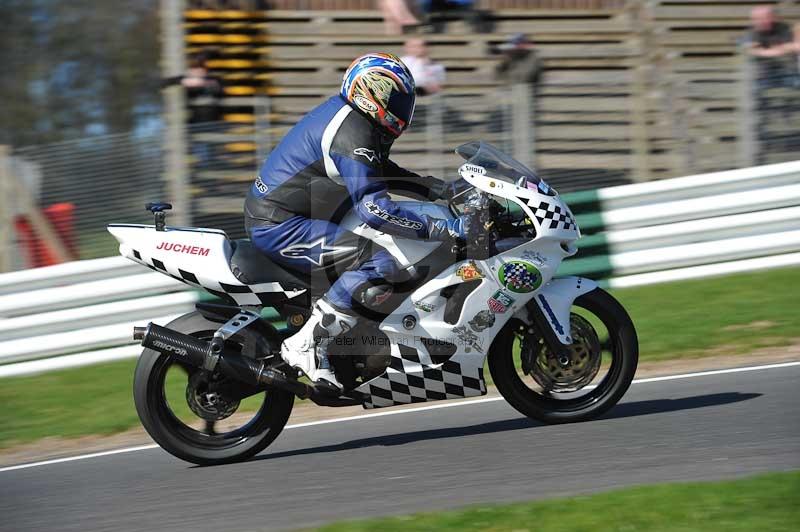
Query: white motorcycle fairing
point(414, 374)
point(197, 257)
point(556, 298)
point(420, 327)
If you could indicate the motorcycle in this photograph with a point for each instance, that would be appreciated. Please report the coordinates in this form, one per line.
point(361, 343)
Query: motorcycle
point(559, 349)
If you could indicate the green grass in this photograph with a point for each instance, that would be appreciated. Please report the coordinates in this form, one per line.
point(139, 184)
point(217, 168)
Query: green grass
point(766, 503)
point(739, 312)
point(91, 400)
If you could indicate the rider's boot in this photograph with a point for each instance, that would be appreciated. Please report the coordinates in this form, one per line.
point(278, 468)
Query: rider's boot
point(307, 350)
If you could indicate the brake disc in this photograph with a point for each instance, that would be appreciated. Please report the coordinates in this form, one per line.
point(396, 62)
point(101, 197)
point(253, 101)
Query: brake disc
point(206, 404)
point(570, 373)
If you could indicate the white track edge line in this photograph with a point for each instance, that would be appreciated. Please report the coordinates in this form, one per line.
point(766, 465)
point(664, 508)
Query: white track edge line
point(80, 457)
point(396, 412)
point(715, 372)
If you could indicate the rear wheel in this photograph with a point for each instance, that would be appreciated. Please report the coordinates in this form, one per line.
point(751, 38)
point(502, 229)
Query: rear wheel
point(202, 417)
point(602, 362)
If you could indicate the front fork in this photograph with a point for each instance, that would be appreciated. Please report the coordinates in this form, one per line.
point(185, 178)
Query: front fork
point(550, 315)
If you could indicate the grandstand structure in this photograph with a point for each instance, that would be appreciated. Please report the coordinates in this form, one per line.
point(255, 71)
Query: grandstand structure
point(632, 90)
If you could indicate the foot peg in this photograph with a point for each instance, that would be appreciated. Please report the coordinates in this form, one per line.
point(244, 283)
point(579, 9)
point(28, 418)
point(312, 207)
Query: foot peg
point(327, 389)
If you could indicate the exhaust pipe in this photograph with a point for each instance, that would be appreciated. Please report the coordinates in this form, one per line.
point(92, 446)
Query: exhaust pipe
point(202, 354)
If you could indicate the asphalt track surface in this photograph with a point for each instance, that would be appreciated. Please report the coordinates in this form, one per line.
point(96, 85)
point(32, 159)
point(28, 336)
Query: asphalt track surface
point(706, 427)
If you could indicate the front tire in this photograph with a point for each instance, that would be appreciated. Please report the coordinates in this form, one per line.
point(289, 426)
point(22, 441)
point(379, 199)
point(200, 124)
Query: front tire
point(555, 408)
point(205, 447)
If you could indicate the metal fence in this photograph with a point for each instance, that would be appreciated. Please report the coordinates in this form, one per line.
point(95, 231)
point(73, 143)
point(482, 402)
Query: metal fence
point(99, 179)
point(77, 187)
point(59, 197)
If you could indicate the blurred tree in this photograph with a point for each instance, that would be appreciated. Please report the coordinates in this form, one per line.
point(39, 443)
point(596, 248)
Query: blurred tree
point(77, 67)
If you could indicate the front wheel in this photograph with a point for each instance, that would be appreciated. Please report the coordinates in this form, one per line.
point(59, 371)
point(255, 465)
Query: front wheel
point(602, 362)
point(206, 418)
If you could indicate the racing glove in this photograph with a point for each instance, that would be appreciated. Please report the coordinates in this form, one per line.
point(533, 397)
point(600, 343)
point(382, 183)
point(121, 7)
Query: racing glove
point(456, 228)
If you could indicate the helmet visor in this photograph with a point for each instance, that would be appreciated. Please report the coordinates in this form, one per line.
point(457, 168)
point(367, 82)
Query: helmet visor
point(401, 105)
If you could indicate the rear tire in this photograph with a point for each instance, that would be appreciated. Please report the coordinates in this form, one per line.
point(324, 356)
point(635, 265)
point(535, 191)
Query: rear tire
point(187, 443)
point(551, 410)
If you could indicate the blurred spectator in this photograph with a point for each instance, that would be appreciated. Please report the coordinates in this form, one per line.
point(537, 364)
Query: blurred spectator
point(203, 93)
point(795, 46)
point(429, 76)
point(520, 64)
point(771, 42)
point(397, 15)
point(465, 9)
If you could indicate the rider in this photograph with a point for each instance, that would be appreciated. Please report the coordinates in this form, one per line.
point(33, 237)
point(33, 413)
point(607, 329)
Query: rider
point(334, 160)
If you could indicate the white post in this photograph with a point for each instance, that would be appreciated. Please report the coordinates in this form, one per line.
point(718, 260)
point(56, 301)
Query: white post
point(435, 133)
point(173, 64)
point(521, 123)
point(640, 142)
point(748, 125)
point(262, 135)
point(6, 216)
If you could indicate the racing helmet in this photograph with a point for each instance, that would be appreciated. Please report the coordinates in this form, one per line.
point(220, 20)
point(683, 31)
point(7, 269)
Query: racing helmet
point(381, 86)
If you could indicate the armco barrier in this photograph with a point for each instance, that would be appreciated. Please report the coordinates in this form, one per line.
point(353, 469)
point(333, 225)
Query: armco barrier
point(96, 315)
point(72, 341)
point(684, 228)
point(67, 273)
point(75, 295)
point(694, 186)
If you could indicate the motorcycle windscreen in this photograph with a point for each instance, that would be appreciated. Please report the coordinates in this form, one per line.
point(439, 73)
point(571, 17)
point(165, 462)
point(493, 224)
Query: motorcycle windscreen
point(502, 167)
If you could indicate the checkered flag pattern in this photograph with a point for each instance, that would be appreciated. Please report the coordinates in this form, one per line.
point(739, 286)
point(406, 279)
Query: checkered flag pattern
point(262, 294)
point(409, 379)
point(551, 216)
point(518, 276)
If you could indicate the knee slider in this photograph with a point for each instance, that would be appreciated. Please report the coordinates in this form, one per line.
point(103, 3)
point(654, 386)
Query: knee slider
point(374, 296)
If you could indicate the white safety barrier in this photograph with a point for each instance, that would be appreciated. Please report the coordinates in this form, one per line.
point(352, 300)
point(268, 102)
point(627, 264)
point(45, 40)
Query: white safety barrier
point(698, 208)
point(67, 273)
point(70, 361)
point(717, 228)
point(707, 270)
point(704, 252)
point(65, 320)
point(76, 295)
point(695, 186)
point(72, 341)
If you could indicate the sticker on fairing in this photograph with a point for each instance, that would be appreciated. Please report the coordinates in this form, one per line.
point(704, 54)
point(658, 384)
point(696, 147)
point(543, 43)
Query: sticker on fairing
point(177, 247)
point(474, 168)
point(535, 257)
point(469, 272)
point(500, 302)
point(468, 339)
point(520, 277)
point(482, 320)
point(551, 315)
point(424, 307)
